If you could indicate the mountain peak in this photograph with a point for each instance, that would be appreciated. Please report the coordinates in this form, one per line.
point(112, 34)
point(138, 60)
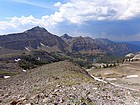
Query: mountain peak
point(66, 36)
point(36, 29)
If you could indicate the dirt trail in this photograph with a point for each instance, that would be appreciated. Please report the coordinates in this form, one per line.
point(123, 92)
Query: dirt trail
point(116, 85)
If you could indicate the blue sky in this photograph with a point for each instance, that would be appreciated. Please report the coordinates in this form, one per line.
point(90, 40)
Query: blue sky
point(113, 19)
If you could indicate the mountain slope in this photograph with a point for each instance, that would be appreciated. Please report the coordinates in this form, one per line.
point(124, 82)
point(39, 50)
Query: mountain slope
point(102, 41)
point(32, 39)
point(100, 46)
point(44, 79)
point(40, 38)
point(61, 83)
point(81, 44)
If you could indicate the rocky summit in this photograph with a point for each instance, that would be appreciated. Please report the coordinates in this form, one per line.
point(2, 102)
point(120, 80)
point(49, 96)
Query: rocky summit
point(34, 38)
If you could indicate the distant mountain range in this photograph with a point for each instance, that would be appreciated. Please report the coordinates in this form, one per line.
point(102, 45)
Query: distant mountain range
point(40, 38)
point(137, 43)
point(99, 45)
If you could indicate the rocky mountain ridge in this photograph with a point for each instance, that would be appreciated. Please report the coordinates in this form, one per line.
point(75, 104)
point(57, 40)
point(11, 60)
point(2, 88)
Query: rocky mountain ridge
point(99, 45)
point(31, 39)
point(40, 38)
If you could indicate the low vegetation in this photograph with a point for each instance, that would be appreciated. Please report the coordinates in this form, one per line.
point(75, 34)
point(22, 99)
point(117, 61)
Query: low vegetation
point(34, 60)
point(3, 72)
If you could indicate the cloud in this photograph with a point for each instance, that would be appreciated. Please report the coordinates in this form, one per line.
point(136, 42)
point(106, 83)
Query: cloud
point(58, 4)
point(80, 14)
point(18, 24)
point(24, 20)
point(4, 25)
point(34, 3)
point(80, 11)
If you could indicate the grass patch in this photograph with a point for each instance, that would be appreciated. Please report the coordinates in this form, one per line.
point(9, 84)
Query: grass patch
point(3, 72)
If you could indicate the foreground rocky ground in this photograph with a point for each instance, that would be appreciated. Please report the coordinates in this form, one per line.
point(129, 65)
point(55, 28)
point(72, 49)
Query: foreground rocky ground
point(62, 83)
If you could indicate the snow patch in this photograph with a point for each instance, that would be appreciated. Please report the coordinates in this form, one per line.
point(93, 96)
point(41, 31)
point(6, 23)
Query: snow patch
point(130, 55)
point(42, 44)
point(24, 70)
point(132, 76)
point(27, 48)
point(28, 104)
point(17, 60)
point(38, 47)
point(111, 79)
point(100, 80)
point(5, 77)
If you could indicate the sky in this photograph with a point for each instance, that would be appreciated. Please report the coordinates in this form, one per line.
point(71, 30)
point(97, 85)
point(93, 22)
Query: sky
point(117, 20)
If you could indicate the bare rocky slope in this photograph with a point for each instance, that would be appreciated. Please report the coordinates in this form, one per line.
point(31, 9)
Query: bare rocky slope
point(40, 38)
point(34, 38)
point(62, 83)
point(98, 46)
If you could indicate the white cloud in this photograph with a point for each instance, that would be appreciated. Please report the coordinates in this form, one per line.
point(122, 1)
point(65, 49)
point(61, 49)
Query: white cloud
point(58, 4)
point(24, 20)
point(78, 12)
point(4, 25)
point(19, 24)
point(34, 3)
